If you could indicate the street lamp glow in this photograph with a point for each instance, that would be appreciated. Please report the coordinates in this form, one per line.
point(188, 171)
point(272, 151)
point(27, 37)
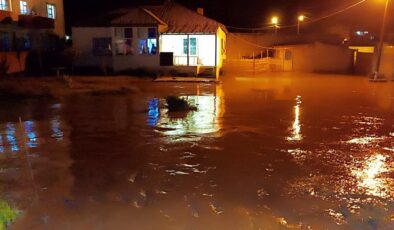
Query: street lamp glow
point(301, 18)
point(275, 20)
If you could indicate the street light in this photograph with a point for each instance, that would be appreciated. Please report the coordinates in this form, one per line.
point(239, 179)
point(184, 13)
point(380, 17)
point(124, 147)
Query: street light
point(300, 19)
point(381, 41)
point(275, 22)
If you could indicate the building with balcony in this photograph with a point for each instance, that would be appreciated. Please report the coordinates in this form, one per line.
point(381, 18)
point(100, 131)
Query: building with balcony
point(24, 22)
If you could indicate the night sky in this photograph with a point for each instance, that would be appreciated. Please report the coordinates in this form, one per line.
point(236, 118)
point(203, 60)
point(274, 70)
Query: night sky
point(246, 13)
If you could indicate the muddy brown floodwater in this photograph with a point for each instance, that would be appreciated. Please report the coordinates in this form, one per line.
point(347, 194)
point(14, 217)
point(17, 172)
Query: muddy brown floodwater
point(282, 151)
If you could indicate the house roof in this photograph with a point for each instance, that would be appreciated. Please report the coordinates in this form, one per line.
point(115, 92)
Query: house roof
point(183, 20)
point(177, 19)
point(121, 17)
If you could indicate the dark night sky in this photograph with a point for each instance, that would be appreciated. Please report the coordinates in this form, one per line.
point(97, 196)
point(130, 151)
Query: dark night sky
point(244, 13)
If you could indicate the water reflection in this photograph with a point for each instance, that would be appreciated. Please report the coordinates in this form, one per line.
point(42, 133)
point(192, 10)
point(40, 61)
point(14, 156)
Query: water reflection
point(206, 119)
point(370, 177)
point(57, 132)
point(1, 144)
point(10, 132)
point(31, 135)
point(27, 136)
point(296, 127)
point(153, 112)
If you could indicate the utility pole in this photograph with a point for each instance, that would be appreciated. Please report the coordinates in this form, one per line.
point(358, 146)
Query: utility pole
point(381, 41)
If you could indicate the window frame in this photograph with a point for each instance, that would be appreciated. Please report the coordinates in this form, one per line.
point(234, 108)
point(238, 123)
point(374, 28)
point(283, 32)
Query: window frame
point(23, 7)
point(126, 38)
point(4, 5)
point(104, 51)
point(54, 13)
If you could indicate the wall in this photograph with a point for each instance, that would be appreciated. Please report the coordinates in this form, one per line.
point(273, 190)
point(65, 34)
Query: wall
point(40, 7)
point(387, 63)
point(221, 47)
point(319, 57)
point(244, 44)
point(82, 42)
point(16, 65)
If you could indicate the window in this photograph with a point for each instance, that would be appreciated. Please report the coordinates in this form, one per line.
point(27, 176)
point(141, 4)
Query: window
point(51, 10)
point(102, 46)
point(23, 7)
point(3, 4)
point(147, 41)
point(192, 46)
point(124, 41)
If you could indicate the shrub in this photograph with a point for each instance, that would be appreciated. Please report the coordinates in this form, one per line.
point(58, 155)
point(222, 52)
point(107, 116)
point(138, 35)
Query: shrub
point(176, 104)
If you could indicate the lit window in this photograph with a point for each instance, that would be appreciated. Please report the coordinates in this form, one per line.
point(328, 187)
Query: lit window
point(102, 46)
point(3, 4)
point(124, 41)
point(51, 10)
point(23, 7)
point(192, 46)
point(148, 41)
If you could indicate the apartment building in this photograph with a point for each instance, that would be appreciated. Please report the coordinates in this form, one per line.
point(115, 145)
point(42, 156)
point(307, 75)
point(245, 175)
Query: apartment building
point(25, 24)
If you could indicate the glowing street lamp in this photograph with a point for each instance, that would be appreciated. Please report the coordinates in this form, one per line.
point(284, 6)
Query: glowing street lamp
point(300, 19)
point(380, 47)
point(275, 22)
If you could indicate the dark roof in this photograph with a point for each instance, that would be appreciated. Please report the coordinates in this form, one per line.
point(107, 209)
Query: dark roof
point(183, 20)
point(121, 17)
point(177, 18)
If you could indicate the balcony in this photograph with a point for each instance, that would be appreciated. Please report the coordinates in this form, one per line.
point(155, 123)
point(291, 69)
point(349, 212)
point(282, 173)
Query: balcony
point(36, 22)
point(4, 15)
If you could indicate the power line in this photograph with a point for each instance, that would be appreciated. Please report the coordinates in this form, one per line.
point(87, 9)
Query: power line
point(307, 22)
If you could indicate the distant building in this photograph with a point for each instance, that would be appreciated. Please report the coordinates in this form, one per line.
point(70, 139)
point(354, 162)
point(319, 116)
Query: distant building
point(168, 37)
point(30, 24)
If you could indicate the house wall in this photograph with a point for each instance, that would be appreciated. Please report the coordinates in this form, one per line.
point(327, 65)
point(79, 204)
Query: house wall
point(221, 47)
point(82, 42)
point(320, 57)
point(387, 63)
point(40, 8)
point(136, 60)
point(245, 44)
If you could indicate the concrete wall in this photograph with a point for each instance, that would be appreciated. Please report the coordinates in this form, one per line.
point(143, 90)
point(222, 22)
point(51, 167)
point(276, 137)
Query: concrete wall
point(244, 44)
point(40, 8)
point(320, 57)
point(387, 63)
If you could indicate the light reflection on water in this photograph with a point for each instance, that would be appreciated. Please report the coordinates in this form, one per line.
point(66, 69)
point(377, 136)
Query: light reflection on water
point(296, 134)
point(371, 179)
point(57, 132)
point(28, 136)
point(205, 120)
point(31, 135)
point(10, 131)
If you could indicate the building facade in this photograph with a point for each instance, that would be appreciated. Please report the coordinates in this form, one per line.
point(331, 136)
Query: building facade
point(29, 24)
point(157, 38)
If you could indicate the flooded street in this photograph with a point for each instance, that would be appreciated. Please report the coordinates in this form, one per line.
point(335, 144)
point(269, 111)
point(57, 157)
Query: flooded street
point(269, 152)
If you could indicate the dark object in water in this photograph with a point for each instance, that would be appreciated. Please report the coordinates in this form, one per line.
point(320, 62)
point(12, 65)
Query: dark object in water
point(176, 104)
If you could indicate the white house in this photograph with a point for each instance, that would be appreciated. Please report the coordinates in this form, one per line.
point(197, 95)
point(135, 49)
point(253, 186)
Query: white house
point(158, 38)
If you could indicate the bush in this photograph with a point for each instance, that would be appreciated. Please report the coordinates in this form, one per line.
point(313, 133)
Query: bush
point(7, 215)
point(176, 104)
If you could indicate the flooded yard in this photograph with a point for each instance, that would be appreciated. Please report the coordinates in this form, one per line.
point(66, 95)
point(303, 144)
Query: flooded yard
point(282, 151)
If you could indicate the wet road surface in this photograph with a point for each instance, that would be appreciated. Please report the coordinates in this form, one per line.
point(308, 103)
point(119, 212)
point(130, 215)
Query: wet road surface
point(271, 152)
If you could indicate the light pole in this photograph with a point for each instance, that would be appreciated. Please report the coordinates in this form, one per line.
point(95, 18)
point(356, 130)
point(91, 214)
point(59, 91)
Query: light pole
point(300, 19)
point(275, 22)
point(381, 41)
